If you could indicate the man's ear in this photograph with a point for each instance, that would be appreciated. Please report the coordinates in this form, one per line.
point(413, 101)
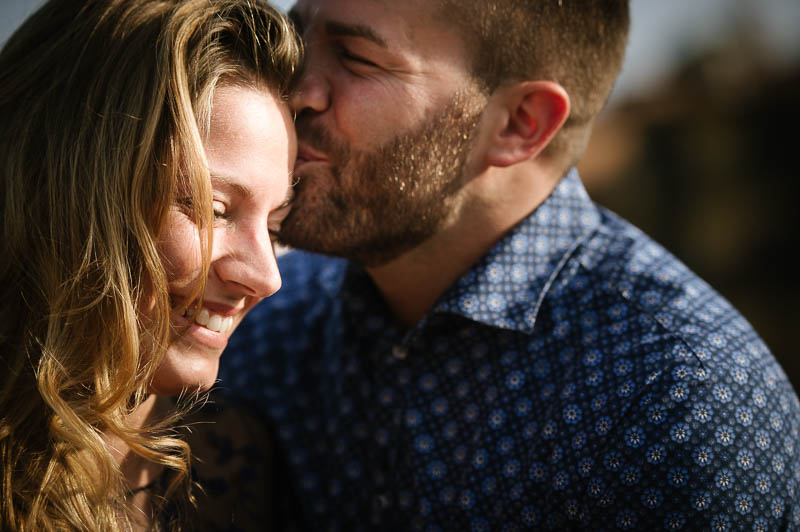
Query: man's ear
point(525, 117)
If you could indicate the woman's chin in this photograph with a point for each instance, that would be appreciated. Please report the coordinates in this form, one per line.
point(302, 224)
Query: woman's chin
point(183, 372)
point(174, 390)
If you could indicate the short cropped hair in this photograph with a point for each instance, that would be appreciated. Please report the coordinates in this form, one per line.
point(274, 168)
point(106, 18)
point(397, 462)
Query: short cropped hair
point(578, 43)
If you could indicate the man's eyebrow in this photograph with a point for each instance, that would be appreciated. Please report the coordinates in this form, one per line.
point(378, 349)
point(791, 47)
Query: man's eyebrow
point(339, 29)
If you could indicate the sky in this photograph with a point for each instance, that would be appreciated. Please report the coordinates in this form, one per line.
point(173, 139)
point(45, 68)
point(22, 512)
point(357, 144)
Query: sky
point(662, 32)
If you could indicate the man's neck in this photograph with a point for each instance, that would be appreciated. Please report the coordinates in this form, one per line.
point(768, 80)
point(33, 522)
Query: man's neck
point(493, 204)
point(413, 282)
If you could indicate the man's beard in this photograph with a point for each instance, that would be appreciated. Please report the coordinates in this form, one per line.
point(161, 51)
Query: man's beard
point(373, 206)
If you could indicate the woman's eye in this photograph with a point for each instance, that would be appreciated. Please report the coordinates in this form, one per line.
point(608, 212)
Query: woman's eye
point(219, 209)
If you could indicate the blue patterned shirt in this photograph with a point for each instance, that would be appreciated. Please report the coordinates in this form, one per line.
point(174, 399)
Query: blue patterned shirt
point(577, 377)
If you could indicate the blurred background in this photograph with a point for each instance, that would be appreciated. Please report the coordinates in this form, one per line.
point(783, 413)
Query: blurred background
point(696, 147)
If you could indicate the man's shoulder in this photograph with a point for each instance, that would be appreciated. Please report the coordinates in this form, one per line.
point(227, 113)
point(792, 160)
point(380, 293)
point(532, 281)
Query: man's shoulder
point(676, 395)
point(634, 270)
point(622, 296)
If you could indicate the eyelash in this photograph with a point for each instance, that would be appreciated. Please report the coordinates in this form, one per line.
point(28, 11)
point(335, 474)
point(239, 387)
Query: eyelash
point(219, 214)
point(347, 55)
point(274, 234)
point(188, 206)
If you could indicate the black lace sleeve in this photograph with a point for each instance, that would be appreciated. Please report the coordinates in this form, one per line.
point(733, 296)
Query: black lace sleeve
point(232, 465)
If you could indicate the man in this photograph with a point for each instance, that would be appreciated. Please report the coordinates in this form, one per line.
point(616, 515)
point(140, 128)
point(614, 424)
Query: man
point(497, 352)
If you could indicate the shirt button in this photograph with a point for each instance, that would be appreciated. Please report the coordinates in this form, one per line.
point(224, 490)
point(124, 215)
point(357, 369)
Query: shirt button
point(399, 352)
point(383, 501)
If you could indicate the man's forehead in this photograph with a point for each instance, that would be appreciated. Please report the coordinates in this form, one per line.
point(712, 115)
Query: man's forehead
point(365, 10)
point(414, 4)
point(394, 21)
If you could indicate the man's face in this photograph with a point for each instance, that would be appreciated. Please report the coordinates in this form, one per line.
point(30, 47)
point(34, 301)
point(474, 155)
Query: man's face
point(386, 117)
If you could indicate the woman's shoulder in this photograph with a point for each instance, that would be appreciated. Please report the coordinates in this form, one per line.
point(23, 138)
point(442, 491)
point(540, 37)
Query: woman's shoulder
point(226, 428)
point(232, 465)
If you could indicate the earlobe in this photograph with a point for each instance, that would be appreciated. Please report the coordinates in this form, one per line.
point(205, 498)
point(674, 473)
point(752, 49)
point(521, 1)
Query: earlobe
point(533, 112)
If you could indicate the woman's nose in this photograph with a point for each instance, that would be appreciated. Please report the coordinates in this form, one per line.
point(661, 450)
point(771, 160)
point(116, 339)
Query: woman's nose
point(248, 263)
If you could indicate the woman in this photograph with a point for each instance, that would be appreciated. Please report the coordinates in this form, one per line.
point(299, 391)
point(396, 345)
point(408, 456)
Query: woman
point(146, 153)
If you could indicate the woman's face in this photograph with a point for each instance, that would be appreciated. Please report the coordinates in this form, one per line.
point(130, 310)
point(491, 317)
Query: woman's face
point(250, 149)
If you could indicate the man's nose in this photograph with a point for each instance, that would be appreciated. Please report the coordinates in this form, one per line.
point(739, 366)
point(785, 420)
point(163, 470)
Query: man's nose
point(313, 92)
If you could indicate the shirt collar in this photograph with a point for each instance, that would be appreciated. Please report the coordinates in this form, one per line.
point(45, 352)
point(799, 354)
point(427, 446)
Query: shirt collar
point(506, 287)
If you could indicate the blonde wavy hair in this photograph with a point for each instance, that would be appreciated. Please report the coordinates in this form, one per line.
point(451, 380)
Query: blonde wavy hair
point(105, 104)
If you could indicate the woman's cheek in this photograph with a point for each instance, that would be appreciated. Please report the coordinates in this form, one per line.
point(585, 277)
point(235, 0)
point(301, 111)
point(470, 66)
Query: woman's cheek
point(179, 247)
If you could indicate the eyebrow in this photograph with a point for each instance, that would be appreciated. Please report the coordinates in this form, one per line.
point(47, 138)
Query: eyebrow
point(339, 29)
point(229, 182)
point(245, 193)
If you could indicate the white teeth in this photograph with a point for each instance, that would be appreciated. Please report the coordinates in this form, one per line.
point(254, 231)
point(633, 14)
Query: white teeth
point(214, 322)
point(203, 317)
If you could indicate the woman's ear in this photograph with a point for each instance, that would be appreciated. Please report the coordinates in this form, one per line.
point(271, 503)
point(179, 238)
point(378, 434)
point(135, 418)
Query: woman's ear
point(526, 116)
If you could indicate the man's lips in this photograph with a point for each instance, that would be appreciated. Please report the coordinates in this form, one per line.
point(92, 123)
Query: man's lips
point(307, 155)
